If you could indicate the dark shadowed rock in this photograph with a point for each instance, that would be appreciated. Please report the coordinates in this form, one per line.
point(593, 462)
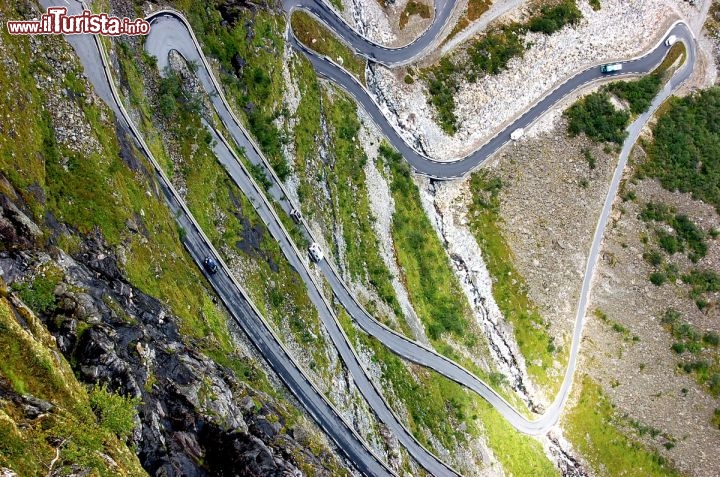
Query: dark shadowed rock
point(233, 10)
point(195, 417)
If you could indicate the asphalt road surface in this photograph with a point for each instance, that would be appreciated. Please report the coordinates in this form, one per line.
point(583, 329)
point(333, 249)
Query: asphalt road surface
point(240, 308)
point(170, 26)
point(458, 168)
point(173, 37)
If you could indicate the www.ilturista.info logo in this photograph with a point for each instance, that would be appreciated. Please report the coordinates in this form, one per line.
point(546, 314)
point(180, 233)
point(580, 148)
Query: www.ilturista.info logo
point(57, 22)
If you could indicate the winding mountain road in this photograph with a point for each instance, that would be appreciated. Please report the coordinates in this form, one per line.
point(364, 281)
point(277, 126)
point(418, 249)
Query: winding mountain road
point(167, 33)
point(323, 11)
point(96, 66)
point(457, 168)
point(171, 31)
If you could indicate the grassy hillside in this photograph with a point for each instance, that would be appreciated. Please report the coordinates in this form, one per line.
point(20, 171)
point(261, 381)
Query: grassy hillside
point(71, 429)
point(316, 36)
point(509, 289)
point(452, 414)
point(97, 183)
point(96, 191)
point(433, 287)
point(606, 440)
point(222, 210)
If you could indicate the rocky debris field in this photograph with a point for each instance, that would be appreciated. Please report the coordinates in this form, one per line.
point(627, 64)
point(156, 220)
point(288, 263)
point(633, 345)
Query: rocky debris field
point(548, 234)
point(379, 21)
point(641, 374)
point(619, 30)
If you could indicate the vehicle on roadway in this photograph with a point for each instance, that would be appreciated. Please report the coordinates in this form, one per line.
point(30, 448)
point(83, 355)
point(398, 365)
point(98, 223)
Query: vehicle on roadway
point(296, 216)
point(517, 134)
point(210, 265)
point(316, 252)
point(611, 68)
point(672, 39)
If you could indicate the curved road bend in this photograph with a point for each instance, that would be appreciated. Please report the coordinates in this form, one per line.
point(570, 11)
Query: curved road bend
point(239, 306)
point(169, 33)
point(458, 168)
point(389, 56)
point(370, 392)
point(399, 344)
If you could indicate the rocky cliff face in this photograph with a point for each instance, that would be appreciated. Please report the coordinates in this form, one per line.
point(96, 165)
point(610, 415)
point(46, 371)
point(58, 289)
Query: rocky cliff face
point(195, 417)
point(83, 229)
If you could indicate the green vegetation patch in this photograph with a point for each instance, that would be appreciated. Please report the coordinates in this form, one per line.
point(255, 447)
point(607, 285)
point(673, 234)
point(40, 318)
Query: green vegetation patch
point(701, 283)
point(308, 165)
point(509, 289)
point(598, 434)
point(553, 18)
point(492, 53)
point(414, 8)
point(431, 283)
point(687, 337)
point(596, 117)
point(39, 294)
point(316, 36)
point(685, 153)
point(343, 174)
point(698, 351)
point(685, 236)
point(114, 412)
point(251, 54)
point(30, 364)
point(638, 93)
point(443, 84)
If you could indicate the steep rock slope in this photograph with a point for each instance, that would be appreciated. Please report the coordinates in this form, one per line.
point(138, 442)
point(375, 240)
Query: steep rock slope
point(88, 244)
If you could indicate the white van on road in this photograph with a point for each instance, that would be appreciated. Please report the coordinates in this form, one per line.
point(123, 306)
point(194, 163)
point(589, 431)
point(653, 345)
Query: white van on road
point(316, 252)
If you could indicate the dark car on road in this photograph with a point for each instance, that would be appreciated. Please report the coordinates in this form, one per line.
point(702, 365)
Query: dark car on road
point(210, 265)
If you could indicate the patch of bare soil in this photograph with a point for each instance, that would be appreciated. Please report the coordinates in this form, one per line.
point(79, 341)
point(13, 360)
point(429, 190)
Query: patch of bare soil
point(637, 368)
point(393, 24)
point(549, 218)
point(550, 202)
point(411, 20)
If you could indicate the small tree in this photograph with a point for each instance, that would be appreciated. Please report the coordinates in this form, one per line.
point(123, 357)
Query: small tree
point(658, 278)
point(114, 412)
